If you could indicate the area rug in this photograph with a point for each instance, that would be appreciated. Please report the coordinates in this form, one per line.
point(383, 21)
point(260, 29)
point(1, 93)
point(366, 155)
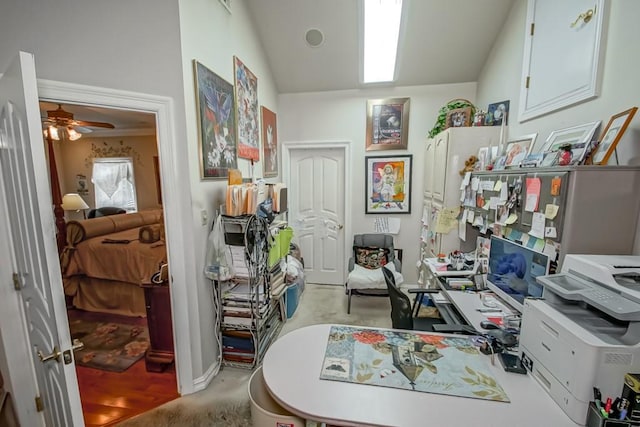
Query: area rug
point(410, 360)
point(110, 346)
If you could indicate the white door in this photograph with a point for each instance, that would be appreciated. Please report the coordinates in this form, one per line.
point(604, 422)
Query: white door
point(316, 212)
point(32, 239)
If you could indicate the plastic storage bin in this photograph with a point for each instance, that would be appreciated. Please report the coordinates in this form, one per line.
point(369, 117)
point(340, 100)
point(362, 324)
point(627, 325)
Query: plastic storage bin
point(292, 296)
point(266, 412)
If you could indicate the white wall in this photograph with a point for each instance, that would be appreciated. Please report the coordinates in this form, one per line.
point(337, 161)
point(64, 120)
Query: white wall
point(501, 77)
point(213, 36)
point(341, 116)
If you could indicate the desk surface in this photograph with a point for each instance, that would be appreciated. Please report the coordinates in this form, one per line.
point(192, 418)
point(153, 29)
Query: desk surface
point(467, 304)
point(292, 368)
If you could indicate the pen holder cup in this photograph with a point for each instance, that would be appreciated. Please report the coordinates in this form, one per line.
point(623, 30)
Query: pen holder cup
point(595, 419)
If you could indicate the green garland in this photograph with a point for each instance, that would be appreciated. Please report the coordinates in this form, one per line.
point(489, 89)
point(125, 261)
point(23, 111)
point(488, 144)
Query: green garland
point(442, 114)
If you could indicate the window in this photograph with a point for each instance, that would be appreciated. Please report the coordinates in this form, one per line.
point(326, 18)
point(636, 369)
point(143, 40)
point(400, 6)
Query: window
point(114, 183)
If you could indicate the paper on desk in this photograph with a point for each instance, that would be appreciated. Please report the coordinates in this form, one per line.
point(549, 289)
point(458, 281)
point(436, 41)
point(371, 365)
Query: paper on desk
point(439, 298)
point(537, 225)
point(447, 220)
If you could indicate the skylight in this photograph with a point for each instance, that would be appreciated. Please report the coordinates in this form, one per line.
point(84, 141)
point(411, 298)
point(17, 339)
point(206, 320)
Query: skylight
point(381, 33)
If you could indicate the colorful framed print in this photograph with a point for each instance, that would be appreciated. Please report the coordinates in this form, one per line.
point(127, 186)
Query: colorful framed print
point(269, 143)
point(387, 124)
point(216, 123)
point(388, 184)
point(612, 134)
point(518, 149)
point(246, 111)
point(576, 137)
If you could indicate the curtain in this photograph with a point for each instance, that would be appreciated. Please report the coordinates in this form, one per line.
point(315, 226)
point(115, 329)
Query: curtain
point(114, 184)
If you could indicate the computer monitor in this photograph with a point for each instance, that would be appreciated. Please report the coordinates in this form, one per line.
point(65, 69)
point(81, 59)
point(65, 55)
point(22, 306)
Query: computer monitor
point(513, 269)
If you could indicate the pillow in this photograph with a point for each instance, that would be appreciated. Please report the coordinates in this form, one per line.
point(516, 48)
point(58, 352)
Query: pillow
point(364, 278)
point(371, 258)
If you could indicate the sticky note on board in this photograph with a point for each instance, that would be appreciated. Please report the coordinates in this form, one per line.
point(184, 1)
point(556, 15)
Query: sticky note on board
point(533, 194)
point(537, 225)
point(556, 183)
point(511, 219)
point(497, 186)
point(551, 211)
point(550, 232)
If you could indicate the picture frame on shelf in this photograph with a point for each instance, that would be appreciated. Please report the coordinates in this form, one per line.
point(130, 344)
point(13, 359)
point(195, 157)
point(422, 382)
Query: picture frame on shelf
point(459, 117)
point(499, 163)
point(549, 159)
point(215, 105)
point(387, 124)
point(578, 137)
point(518, 149)
point(388, 184)
point(612, 134)
point(496, 112)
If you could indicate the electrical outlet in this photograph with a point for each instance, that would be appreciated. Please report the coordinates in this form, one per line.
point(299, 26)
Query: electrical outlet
point(204, 217)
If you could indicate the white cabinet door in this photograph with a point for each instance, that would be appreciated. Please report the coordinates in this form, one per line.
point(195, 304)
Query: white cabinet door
point(429, 158)
point(440, 165)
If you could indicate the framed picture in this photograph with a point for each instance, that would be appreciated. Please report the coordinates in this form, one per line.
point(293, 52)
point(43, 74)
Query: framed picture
point(499, 163)
point(518, 149)
point(550, 158)
point(577, 137)
point(269, 143)
point(613, 132)
point(247, 111)
point(460, 117)
point(216, 123)
point(388, 184)
point(497, 112)
point(387, 124)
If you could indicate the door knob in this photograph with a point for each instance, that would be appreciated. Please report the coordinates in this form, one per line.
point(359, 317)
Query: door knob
point(586, 17)
point(339, 226)
point(55, 355)
point(77, 345)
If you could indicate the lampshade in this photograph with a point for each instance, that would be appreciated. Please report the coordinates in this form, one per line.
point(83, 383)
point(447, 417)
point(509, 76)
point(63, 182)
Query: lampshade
point(73, 202)
point(62, 133)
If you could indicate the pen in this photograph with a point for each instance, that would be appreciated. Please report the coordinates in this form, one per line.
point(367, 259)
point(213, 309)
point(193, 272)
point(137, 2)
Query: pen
point(489, 310)
point(607, 406)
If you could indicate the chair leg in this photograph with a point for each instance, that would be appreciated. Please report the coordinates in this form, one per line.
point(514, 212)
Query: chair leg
point(349, 302)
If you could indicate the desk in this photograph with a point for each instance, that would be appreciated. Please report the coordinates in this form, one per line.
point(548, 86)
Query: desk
point(467, 304)
point(292, 368)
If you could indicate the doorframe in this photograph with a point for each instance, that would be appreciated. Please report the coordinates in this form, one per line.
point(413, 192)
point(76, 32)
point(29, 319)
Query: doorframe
point(289, 146)
point(176, 210)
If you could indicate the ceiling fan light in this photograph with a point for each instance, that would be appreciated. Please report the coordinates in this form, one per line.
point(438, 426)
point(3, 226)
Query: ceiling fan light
point(53, 132)
point(73, 134)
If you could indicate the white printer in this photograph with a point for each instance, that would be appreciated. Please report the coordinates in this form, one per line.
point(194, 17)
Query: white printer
point(585, 331)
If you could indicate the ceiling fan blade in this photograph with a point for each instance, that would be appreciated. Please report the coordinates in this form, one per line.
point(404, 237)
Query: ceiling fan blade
point(82, 129)
point(85, 123)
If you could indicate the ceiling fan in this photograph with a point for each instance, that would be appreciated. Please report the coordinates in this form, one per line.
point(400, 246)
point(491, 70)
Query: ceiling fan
point(61, 125)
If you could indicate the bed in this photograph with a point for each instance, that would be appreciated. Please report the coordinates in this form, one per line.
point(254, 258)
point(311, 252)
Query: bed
point(104, 262)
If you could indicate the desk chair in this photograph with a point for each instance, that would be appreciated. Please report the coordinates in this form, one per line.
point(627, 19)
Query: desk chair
point(365, 272)
point(401, 310)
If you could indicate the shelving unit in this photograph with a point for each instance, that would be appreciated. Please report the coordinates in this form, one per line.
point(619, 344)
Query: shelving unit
point(252, 315)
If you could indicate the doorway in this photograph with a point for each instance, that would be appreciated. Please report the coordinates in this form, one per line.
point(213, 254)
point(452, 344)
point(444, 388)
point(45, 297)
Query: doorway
point(115, 380)
point(316, 175)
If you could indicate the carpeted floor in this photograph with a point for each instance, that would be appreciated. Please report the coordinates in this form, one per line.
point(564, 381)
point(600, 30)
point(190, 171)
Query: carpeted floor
point(225, 402)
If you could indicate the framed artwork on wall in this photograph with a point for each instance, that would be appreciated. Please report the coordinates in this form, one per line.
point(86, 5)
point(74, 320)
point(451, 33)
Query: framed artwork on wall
point(216, 123)
point(246, 111)
point(388, 184)
point(613, 132)
point(387, 124)
point(269, 143)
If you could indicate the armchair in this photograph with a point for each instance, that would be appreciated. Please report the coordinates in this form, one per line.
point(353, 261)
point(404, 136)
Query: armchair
point(370, 253)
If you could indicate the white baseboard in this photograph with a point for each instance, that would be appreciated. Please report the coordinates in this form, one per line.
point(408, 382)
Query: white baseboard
point(203, 381)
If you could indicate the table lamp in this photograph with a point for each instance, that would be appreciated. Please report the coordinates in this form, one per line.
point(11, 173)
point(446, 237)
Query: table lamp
point(73, 202)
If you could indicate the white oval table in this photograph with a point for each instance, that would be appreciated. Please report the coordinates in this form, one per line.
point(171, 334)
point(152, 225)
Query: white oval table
point(291, 370)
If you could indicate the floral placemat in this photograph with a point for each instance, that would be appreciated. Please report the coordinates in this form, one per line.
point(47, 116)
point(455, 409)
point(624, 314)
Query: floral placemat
point(409, 360)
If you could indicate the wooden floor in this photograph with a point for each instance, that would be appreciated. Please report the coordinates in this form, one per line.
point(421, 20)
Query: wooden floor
point(111, 397)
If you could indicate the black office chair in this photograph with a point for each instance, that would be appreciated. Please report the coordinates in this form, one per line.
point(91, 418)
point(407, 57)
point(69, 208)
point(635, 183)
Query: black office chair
point(401, 310)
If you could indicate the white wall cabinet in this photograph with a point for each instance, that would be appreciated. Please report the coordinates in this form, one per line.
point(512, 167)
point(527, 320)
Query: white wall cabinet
point(445, 156)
